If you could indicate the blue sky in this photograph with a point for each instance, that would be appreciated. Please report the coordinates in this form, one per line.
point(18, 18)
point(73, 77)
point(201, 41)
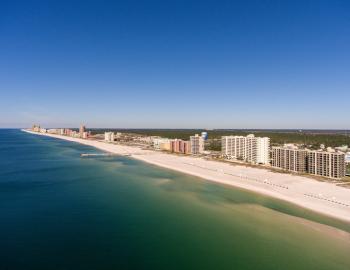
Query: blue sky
point(175, 64)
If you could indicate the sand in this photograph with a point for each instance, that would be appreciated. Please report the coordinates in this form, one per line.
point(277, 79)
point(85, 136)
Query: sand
point(323, 197)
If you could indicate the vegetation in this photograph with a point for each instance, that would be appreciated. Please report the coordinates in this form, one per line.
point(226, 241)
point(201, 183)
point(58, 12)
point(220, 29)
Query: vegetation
point(213, 145)
point(309, 138)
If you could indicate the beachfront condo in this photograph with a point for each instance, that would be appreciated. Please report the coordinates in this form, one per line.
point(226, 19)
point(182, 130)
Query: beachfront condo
point(246, 148)
point(289, 158)
point(180, 146)
point(82, 129)
point(161, 143)
point(263, 150)
point(109, 136)
point(36, 128)
point(197, 144)
point(329, 163)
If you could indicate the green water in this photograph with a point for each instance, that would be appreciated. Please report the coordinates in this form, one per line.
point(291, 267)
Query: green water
point(60, 211)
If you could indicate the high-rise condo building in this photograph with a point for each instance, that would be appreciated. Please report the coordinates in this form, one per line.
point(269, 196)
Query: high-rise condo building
point(180, 146)
point(165, 146)
point(289, 158)
point(109, 136)
point(263, 150)
point(329, 164)
point(197, 144)
point(81, 130)
point(36, 128)
point(247, 148)
point(85, 135)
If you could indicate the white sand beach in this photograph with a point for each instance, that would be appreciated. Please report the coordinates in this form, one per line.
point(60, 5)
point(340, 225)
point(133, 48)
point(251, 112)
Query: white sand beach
point(322, 197)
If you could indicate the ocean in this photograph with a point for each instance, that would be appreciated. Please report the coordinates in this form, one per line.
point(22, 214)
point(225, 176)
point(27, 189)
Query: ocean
point(61, 211)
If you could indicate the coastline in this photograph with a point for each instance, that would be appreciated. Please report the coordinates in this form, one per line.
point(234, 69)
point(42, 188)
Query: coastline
point(325, 198)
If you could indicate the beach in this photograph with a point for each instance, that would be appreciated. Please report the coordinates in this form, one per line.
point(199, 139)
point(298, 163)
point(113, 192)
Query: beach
point(322, 197)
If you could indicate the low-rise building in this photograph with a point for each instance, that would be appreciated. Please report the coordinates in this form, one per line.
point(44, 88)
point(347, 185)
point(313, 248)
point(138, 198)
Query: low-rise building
point(158, 143)
point(343, 148)
point(53, 131)
point(143, 139)
point(347, 157)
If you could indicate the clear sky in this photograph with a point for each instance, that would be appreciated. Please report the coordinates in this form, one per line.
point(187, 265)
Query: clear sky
point(175, 64)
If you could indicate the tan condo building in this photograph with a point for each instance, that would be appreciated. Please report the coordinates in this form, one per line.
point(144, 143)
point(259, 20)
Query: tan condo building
point(289, 158)
point(329, 164)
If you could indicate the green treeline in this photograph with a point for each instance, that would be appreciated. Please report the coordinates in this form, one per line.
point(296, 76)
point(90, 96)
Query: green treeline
point(308, 138)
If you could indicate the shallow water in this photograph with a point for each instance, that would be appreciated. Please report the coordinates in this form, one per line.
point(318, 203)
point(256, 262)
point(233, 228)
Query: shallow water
point(61, 211)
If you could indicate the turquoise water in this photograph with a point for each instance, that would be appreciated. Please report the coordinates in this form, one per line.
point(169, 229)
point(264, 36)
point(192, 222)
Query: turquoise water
point(61, 211)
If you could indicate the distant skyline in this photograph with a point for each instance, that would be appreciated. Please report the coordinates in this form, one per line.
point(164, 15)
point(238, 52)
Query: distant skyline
point(175, 64)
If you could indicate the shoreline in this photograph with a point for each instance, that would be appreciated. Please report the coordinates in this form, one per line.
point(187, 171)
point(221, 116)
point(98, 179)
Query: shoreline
point(322, 197)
